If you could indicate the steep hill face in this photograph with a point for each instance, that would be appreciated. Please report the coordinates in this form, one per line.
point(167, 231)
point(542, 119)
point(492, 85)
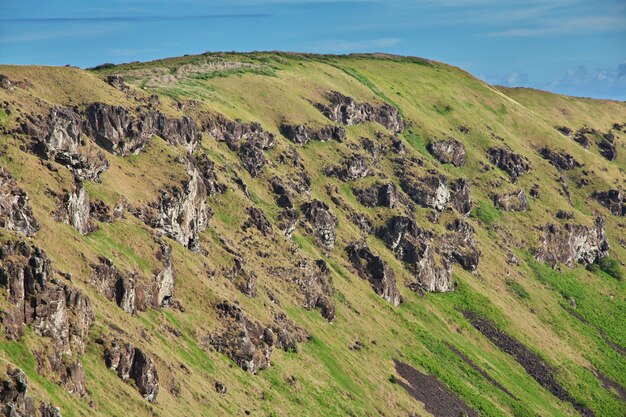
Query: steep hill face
point(276, 234)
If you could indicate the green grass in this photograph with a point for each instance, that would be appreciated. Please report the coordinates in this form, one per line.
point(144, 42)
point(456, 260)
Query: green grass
point(517, 288)
point(486, 213)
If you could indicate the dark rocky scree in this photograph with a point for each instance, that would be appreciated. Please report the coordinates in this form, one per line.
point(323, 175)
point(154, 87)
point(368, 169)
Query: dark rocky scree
point(448, 151)
point(303, 134)
point(180, 212)
point(345, 110)
point(383, 195)
point(573, 243)
point(438, 400)
point(614, 200)
point(58, 137)
point(560, 159)
point(606, 141)
point(414, 246)
point(354, 167)
point(513, 201)
point(323, 222)
point(246, 342)
point(513, 164)
point(130, 362)
point(248, 140)
point(372, 268)
point(534, 365)
point(15, 212)
point(258, 220)
point(15, 400)
point(288, 334)
point(286, 221)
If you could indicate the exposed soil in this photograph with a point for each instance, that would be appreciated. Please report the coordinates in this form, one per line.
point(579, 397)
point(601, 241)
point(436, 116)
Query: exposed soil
point(534, 365)
point(479, 370)
point(437, 398)
point(608, 383)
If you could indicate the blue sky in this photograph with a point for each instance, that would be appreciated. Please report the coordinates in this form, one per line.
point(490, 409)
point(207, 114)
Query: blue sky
point(576, 47)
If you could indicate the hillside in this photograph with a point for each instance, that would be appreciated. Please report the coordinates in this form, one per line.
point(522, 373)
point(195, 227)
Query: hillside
point(276, 234)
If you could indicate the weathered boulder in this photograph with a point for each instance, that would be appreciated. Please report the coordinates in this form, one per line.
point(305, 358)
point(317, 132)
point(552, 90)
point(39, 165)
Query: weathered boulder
point(279, 188)
point(559, 159)
point(303, 134)
point(513, 201)
point(354, 167)
point(448, 151)
point(363, 222)
point(245, 341)
point(130, 362)
point(345, 110)
point(430, 191)
point(5, 83)
point(14, 398)
point(15, 212)
point(573, 243)
point(58, 132)
point(614, 200)
point(76, 209)
point(322, 221)
point(73, 378)
point(461, 196)
point(117, 82)
point(607, 149)
point(376, 271)
point(258, 220)
point(181, 212)
point(384, 195)
point(316, 285)
point(508, 161)
point(459, 245)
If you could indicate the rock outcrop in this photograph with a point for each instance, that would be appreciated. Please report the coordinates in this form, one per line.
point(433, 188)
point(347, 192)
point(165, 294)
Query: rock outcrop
point(448, 151)
point(430, 191)
point(76, 209)
point(372, 268)
point(165, 279)
point(245, 341)
point(347, 111)
point(287, 333)
point(116, 285)
point(352, 168)
point(208, 172)
point(383, 195)
point(130, 362)
point(513, 201)
point(303, 134)
point(559, 159)
point(508, 161)
point(415, 248)
point(249, 140)
point(323, 222)
point(459, 245)
point(315, 284)
point(15, 400)
point(258, 220)
point(573, 243)
point(15, 211)
point(461, 196)
point(614, 200)
point(177, 131)
point(181, 212)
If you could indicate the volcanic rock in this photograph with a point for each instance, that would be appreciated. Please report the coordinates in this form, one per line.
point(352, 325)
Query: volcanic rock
point(376, 271)
point(513, 164)
point(614, 200)
point(513, 201)
point(15, 212)
point(303, 134)
point(130, 362)
point(322, 221)
point(448, 151)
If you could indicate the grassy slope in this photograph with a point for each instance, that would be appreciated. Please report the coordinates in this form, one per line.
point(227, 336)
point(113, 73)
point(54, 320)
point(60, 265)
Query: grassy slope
point(331, 379)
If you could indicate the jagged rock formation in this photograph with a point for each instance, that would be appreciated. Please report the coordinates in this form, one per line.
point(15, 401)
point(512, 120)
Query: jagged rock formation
point(117, 82)
point(347, 111)
point(322, 221)
point(76, 209)
point(165, 279)
point(513, 201)
point(116, 285)
point(559, 159)
point(414, 247)
point(177, 131)
point(448, 151)
point(430, 191)
point(316, 285)
point(249, 140)
point(15, 211)
point(384, 195)
point(573, 243)
point(257, 219)
point(459, 245)
point(287, 333)
point(130, 362)
point(303, 134)
point(15, 400)
point(245, 341)
point(207, 171)
point(461, 196)
point(181, 212)
point(351, 168)
point(508, 161)
point(614, 200)
point(376, 271)
point(286, 221)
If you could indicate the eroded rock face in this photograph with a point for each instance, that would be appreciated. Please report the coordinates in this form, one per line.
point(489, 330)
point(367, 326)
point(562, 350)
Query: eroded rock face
point(15, 212)
point(513, 201)
point(384, 195)
point(258, 220)
point(414, 247)
point(322, 221)
point(116, 130)
point(347, 111)
point(559, 159)
point(459, 245)
point(513, 164)
point(76, 209)
point(165, 279)
point(448, 151)
point(130, 362)
point(249, 140)
point(287, 333)
point(286, 221)
point(117, 82)
point(115, 285)
point(430, 191)
point(245, 341)
point(181, 212)
point(573, 243)
point(14, 398)
point(351, 168)
point(207, 171)
point(461, 196)
point(315, 283)
point(614, 200)
point(376, 271)
point(178, 131)
point(54, 310)
point(303, 134)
